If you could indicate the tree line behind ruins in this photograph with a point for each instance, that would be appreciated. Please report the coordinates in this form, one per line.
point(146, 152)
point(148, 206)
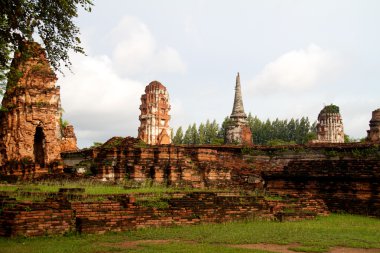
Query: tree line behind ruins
point(293, 131)
point(268, 132)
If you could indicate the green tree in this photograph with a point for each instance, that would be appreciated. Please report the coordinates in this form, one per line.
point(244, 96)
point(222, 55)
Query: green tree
point(194, 134)
point(212, 130)
point(187, 137)
point(222, 131)
point(277, 132)
point(178, 138)
point(291, 130)
point(256, 128)
point(51, 21)
point(348, 139)
point(303, 130)
point(202, 134)
point(281, 131)
point(267, 131)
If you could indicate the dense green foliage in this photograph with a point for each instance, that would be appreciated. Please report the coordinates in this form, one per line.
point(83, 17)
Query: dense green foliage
point(63, 123)
point(263, 132)
point(330, 109)
point(51, 21)
point(298, 131)
point(206, 133)
point(311, 235)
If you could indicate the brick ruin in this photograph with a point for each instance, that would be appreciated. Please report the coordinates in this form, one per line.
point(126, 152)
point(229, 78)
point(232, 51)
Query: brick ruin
point(302, 181)
point(121, 212)
point(31, 134)
point(238, 130)
point(344, 176)
point(69, 140)
point(373, 134)
point(330, 126)
point(313, 179)
point(154, 117)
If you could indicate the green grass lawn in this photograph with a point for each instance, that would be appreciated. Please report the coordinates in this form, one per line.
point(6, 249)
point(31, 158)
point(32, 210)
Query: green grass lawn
point(311, 235)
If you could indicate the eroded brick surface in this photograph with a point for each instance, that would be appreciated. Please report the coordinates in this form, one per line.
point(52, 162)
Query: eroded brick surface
point(123, 212)
point(374, 124)
point(31, 135)
point(154, 118)
point(345, 175)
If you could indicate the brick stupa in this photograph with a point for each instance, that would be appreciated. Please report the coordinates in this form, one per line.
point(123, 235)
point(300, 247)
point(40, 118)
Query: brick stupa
point(330, 126)
point(373, 134)
point(30, 120)
point(154, 118)
point(238, 130)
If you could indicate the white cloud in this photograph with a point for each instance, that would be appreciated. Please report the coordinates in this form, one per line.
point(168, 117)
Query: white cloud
point(297, 70)
point(136, 50)
point(98, 102)
point(102, 98)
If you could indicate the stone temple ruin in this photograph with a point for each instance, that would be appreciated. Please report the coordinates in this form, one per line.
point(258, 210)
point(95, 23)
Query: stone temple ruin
point(374, 124)
point(154, 118)
point(330, 126)
point(31, 129)
point(307, 180)
point(238, 130)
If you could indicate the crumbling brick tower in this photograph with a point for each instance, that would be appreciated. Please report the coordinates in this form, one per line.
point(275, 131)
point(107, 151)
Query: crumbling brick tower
point(374, 127)
point(154, 118)
point(30, 118)
point(330, 125)
point(238, 130)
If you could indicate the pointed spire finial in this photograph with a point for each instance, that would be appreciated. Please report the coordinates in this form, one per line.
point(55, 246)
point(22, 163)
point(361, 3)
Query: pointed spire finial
point(238, 109)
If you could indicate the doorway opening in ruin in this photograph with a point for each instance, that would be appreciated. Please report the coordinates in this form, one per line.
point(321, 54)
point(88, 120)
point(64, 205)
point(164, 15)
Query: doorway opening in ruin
point(152, 173)
point(39, 147)
point(167, 173)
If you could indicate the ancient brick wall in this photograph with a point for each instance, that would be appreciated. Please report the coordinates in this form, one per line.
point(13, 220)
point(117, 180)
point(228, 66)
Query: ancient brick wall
point(346, 185)
point(35, 219)
point(190, 209)
point(345, 175)
point(123, 212)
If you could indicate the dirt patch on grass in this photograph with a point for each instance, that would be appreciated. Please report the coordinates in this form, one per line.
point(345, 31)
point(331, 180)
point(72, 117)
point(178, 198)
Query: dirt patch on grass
point(265, 246)
point(135, 244)
point(353, 250)
point(285, 248)
point(260, 246)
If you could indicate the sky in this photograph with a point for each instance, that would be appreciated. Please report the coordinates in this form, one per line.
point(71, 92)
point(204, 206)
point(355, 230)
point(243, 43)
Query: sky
point(294, 57)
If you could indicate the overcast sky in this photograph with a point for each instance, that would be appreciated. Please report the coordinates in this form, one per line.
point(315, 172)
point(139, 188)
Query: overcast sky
point(294, 57)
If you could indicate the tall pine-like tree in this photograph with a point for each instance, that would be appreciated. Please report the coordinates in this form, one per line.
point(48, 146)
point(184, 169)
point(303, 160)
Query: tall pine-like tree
point(187, 137)
point(178, 138)
point(263, 132)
